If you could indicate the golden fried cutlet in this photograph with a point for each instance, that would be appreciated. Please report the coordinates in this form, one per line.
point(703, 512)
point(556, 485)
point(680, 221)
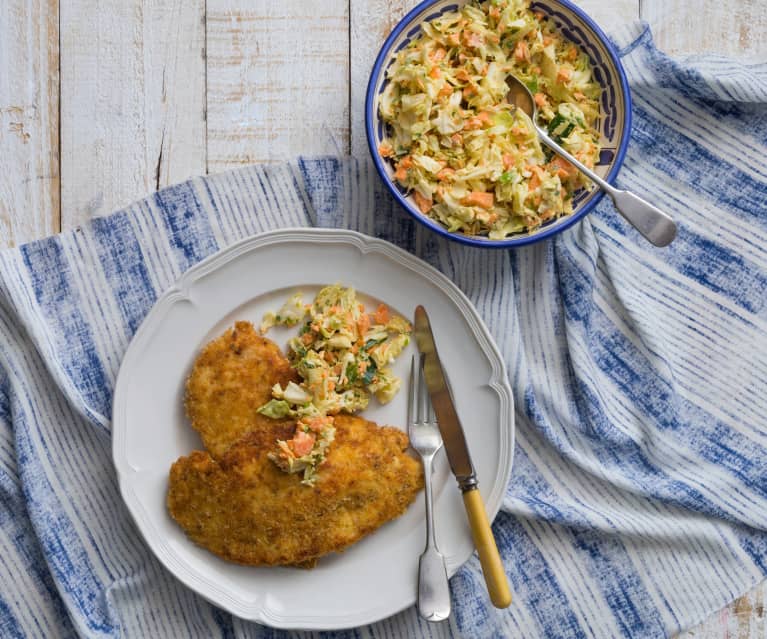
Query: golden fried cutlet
point(244, 509)
point(231, 378)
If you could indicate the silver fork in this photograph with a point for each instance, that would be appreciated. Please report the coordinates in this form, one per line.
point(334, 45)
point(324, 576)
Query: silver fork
point(423, 430)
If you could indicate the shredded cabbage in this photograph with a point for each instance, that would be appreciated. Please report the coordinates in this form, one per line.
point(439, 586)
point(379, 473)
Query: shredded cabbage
point(472, 161)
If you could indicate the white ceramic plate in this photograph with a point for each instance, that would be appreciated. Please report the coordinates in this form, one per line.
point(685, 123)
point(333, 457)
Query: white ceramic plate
point(376, 577)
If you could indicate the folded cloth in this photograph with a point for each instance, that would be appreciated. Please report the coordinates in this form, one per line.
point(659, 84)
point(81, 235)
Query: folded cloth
point(638, 500)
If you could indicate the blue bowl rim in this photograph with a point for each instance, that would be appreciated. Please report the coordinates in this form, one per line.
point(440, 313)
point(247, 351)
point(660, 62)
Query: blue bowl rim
point(511, 242)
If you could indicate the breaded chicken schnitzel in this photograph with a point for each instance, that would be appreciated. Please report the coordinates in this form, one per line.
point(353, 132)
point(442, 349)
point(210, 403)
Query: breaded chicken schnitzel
point(244, 509)
point(231, 378)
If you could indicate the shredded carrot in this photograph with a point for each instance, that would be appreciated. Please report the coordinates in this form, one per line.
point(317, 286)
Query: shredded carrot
point(402, 166)
point(317, 423)
point(302, 443)
point(540, 99)
point(445, 173)
point(472, 39)
point(424, 203)
point(385, 150)
point(472, 124)
point(564, 74)
point(563, 168)
point(462, 75)
point(521, 52)
point(537, 178)
point(382, 315)
point(438, 55)
point(363, 324)
point(478, 198)
point(435, 73)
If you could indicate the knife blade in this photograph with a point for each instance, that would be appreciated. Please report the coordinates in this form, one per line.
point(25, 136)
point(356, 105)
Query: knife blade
point(459, 458)
point(442, 401)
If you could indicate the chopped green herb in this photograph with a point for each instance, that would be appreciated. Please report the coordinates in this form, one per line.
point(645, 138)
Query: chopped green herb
point(370, 372)
point(372, 342)
point(555, 122)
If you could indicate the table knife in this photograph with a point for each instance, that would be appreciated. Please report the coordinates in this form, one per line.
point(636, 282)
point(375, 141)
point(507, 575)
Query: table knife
point(460, 462)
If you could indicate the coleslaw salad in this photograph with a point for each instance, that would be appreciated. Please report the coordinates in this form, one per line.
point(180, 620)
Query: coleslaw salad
point(472, 161)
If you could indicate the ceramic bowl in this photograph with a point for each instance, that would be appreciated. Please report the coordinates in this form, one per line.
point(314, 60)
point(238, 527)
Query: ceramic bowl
point(614, 125)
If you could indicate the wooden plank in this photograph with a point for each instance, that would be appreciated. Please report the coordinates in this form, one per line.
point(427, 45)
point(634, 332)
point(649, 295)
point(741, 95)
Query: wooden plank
point(370, 23)
point(609, 14)
point(743, 619)
point(278, 80)
point(373, 20)
point(733, 28)
point(29, 120)
point(132, 101)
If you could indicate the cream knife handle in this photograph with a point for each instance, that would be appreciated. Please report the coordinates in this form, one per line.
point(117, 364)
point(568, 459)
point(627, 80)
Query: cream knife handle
point(492, 567)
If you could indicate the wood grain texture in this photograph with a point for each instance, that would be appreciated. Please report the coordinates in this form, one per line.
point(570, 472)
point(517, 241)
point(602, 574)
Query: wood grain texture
point(742, 619)
point(734, 28)
point(278, 80)
point(370, 22)
point(609, 14)
point(29, 120)
point(132, 101)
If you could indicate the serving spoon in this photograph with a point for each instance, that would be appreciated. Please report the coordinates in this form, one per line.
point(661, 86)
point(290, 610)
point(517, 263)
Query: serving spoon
point(650, 221)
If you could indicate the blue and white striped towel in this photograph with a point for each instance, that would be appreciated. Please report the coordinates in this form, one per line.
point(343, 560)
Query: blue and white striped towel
point(638, 502)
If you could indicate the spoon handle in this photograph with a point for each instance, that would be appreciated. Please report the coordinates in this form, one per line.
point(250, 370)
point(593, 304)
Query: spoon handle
point(655, 225)
point(605, 186)
point(649, 220)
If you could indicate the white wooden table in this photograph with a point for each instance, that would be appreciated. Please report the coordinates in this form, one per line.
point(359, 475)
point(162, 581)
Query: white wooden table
point(104, 101)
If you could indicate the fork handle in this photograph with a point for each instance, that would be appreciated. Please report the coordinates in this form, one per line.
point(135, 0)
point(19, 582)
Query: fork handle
point(433, 586)
point(492, 567)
